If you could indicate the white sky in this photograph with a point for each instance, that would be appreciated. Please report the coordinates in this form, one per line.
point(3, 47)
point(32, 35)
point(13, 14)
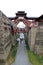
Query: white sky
point(21, 25)
point(31, 7)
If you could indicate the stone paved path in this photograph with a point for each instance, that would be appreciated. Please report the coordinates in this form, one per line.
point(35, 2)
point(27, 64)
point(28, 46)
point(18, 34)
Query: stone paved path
point(22, 56)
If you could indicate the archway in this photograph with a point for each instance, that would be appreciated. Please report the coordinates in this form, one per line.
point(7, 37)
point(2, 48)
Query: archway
point(29, 22)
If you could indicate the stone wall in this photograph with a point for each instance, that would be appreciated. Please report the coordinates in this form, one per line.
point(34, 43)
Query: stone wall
point(35, 39)
point(39, 41)
point(39, 49)
point(32, 36)
point(5, 37)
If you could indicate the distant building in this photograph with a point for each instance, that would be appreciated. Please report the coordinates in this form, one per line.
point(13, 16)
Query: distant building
point(34, 30)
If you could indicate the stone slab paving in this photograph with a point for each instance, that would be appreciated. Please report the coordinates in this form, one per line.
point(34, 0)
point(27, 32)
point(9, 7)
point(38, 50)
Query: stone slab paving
point(22, 56)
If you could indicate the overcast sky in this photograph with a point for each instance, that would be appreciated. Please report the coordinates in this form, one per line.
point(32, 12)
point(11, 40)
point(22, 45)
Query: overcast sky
point(31, 7)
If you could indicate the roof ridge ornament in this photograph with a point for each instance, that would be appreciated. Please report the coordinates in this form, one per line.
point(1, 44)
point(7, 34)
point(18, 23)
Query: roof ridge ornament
point(21, 14)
